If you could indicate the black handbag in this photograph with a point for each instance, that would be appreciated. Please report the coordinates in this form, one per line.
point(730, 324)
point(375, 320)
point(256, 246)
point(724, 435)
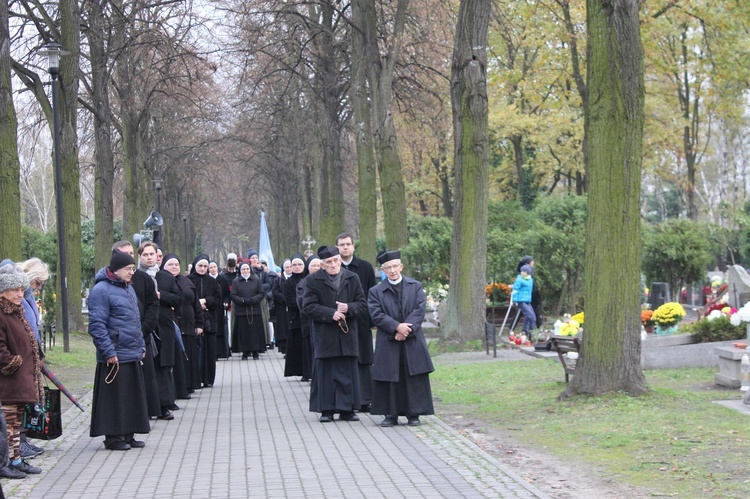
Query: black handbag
point(44, 421)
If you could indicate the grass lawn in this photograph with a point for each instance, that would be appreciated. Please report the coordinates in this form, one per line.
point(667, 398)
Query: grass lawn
point(674, 441)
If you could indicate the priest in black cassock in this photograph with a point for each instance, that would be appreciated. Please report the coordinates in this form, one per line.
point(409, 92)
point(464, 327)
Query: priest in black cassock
point(400, 372)
point(366, 274)
point(332, 300)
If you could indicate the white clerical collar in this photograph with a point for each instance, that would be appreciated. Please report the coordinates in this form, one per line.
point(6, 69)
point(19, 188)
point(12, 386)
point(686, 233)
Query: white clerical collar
point(344, 262)
point(400, 278)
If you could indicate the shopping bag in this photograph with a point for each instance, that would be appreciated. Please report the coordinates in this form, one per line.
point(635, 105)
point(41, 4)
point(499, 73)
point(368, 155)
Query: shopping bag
point(44, 421)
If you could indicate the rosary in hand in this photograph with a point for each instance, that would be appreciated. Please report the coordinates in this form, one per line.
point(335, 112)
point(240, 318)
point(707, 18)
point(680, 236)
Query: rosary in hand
point(345, 326)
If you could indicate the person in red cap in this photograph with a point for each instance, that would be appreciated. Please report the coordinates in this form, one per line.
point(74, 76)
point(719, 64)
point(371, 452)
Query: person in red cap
point(332, 300)
point(400, 371)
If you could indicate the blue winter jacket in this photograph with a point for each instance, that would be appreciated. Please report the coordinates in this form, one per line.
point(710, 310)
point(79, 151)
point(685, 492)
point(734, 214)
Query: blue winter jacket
point(114, 319)
point(31, 311)
point(522, 287)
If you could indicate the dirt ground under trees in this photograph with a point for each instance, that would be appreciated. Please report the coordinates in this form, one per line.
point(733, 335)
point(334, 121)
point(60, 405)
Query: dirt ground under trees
point(561, 479)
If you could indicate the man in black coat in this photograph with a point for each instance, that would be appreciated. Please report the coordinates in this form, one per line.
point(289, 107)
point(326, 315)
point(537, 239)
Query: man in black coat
point(366, 274)
point(333, 300)
point(148, 307)
point(401, 385)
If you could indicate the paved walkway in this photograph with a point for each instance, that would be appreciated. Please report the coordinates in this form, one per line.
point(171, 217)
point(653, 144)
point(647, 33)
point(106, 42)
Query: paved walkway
point(251, 435)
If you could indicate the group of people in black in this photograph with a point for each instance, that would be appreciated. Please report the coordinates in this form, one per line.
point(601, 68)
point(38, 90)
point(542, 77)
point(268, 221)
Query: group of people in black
point(155, 328)
point(325, 306)
point(159, 329)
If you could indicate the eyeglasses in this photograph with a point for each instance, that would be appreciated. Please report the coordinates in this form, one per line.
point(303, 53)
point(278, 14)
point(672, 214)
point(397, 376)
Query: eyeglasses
point(39, 284)
point(388, 268)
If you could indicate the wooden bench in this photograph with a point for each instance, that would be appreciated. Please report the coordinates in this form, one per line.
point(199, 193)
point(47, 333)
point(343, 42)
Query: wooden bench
point(562, 345)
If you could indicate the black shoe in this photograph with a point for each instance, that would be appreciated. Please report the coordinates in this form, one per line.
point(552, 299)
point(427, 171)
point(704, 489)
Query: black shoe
point(414, 421)
point(256, 356)
point(365, 408)
point(25, 467)
point(173, 407)
point(11, 472)
point(208, 385)
point(137, 444)
point(389, 421)
point(326, 417)
point(244, 356)
point(167, 416)
point(348, 416)
point(29, 451)
point(118, 445)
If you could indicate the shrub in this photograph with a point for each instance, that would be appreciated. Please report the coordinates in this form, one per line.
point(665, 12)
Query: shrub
point(719, 329)
point(676, 252)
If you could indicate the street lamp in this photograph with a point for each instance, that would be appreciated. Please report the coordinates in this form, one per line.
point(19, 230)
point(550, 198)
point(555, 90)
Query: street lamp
point(184, 228)
point(53, 52)
point(158, 186)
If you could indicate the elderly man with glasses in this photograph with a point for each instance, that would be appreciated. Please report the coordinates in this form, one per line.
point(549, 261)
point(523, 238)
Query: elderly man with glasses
point(400, 372)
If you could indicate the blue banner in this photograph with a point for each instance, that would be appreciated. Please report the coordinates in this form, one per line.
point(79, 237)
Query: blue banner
point(264, 247)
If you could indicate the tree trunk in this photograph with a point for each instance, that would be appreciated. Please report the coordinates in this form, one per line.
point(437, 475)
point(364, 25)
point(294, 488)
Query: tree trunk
point(10, 189)
point(380, 77)
point(610, 357)
point(329, 82)
point(517, 140)
point(104, 166)
point(583, 92)
point(366, 163)
point(70, 39)
point(465, 314)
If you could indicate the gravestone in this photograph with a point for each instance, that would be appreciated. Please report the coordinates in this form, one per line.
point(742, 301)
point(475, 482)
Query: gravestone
point(738, 292)
point(659, 294)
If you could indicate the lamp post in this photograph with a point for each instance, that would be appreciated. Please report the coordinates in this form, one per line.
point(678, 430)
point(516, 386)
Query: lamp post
point(184, 228)
point(53, 52)
point(158, 186)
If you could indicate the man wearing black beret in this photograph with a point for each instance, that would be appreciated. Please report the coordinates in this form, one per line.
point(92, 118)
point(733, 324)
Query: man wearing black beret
point(400, 372)
point(333, 299)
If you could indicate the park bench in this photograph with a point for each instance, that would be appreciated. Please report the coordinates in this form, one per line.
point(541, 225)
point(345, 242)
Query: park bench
point(562, 345)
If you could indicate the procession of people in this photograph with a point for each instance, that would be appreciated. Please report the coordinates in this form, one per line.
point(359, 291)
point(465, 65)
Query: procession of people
point(159, 329)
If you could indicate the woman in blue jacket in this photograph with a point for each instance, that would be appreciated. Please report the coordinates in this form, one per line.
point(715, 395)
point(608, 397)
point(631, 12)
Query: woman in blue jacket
point(119, 407)
point(521, 294)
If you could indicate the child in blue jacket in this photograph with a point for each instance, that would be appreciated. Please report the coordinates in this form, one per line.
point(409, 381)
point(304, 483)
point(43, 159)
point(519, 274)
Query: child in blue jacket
point(521, 294)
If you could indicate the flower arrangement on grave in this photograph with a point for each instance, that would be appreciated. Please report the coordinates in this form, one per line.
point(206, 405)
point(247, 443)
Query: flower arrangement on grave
point(742, 315)
point(435, 294)
point(570, 326)
point(578, 318)
point(497, 292)
point(667, 317)
point(725, 311)
point(647, 318)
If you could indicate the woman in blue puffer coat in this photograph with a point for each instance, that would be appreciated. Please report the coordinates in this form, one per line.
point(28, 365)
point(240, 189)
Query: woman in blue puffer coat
point(521, 294)
point(119, 407)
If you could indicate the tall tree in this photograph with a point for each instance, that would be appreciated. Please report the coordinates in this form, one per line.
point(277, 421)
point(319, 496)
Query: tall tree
point(10, 190)
point(99, 106)
point(465, 315)
point(366, 163)
point(380, 73)
point(611, 353)
point(70, 39)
